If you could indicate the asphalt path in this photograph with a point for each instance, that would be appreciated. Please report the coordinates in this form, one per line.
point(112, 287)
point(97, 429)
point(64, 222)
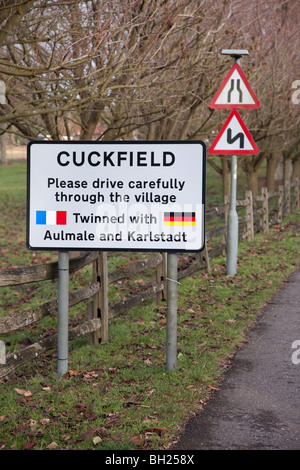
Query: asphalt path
point(257, 406)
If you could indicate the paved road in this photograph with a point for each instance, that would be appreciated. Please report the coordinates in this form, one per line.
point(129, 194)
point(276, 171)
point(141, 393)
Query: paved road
point(258, 404)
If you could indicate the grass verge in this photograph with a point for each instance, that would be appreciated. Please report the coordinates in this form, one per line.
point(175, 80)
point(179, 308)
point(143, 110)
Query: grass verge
point(118, 395)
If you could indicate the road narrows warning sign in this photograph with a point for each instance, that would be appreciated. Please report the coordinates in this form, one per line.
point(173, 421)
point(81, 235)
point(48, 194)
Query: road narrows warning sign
point(234, 138)
point(235, 92)
point(127, 195)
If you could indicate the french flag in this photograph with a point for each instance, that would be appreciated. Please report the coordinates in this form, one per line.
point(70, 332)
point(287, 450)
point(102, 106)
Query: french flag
point(51, 217)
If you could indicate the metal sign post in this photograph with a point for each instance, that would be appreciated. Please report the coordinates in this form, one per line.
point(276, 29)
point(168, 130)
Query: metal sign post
point(232, 223)
point(234, 139)
point(233, 220)
point(63, 312)
point(171, 349)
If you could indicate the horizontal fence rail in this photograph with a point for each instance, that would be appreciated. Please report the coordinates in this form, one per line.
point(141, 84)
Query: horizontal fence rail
point(42, 272)
point(257, 214)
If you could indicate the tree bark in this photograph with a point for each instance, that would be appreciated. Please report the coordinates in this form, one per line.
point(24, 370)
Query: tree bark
point(271, 170)
point(3, 154)
point(296, 167)
point(251, 172)
point(287, 168)
point(225, 177)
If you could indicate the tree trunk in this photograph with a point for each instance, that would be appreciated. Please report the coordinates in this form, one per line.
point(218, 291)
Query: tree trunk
point(225, 177)
point(287, 168)
point(296, 167)
point(251, 172)
point(3, 154)
point(271, 170)
point(253, 182)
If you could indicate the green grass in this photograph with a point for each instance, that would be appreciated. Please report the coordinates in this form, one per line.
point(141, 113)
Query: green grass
point(120, 391)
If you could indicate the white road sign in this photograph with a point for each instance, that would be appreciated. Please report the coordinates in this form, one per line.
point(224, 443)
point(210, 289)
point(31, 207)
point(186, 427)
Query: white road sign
point(127, 195)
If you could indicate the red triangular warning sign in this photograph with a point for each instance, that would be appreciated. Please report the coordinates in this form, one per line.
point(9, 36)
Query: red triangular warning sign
point(234, 138)
point(235, 92)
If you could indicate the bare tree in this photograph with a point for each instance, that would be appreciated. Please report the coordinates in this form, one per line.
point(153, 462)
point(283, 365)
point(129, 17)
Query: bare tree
point(275, 124)
point(269, 30)
point(134, 66)
point(147, 70)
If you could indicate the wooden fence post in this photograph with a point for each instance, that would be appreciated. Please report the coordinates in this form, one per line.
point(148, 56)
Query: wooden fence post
point(159, 275)
point(249, 212)
point(280, 204)
point(287, 199)
point(100, 302)
point(265, 216)
point(296, 194)
point(206, 258)
point(203, 258)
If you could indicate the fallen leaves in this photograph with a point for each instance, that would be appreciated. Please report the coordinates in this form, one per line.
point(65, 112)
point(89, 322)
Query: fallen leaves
point(213, 388)
point(143, 439)
point(29, 445)
point(45, 421)
point(113, 419)
point(156, 430)
point(97, 440)
point(137, 440)
point(24, 393)
point(53, 445)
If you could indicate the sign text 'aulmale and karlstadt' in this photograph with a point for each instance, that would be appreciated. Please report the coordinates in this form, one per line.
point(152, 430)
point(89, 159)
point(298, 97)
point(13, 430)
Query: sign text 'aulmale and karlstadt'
point(128, 195)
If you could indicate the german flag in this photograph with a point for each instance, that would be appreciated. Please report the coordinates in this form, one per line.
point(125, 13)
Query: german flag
point(179, 219)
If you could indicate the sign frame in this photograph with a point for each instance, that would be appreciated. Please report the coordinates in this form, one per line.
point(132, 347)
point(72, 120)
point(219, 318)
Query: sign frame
point(70, 247)
point(255, 105)
point(255, 151)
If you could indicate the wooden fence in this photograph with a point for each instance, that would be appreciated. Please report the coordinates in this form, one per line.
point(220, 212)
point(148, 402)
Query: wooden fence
point(256, 214)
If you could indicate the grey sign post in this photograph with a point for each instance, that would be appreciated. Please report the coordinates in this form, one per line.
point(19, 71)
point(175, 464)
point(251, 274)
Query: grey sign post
point(171, 343)
point(234, 139)
point(232, 223)
point(63, 313)
point(233, 220)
